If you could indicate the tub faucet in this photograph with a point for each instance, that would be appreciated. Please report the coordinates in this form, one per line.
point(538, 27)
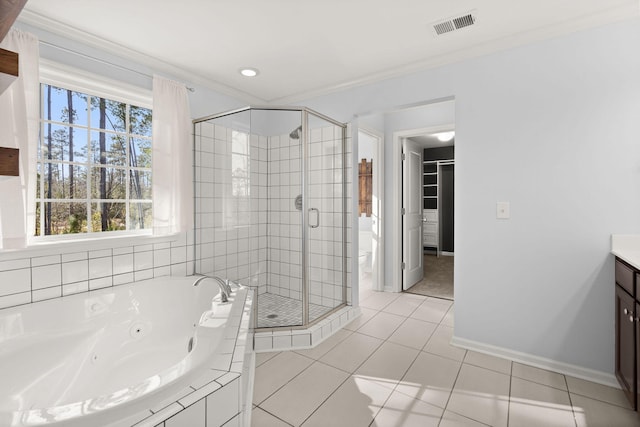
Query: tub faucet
point(225, 288)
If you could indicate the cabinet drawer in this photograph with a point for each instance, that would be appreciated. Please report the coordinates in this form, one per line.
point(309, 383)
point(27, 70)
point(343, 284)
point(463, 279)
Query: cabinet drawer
point(428, 227)
point(624, 277)
point(429, 239)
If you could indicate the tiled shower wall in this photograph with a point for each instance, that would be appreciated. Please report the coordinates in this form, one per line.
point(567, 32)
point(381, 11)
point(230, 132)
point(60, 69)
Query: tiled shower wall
point(38, 274)
point(266, 251)
point(284, 236)
point(231, 214)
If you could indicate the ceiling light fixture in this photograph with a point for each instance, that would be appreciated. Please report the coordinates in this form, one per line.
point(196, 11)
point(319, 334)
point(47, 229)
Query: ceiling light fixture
point(249, 72)
point(445, 136)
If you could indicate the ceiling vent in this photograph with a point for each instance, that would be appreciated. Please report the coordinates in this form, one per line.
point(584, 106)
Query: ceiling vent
point(455, 23)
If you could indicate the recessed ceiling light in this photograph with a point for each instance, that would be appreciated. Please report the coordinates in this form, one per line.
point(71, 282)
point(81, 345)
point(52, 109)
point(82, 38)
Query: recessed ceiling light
point(445, 136)
point(249, 72)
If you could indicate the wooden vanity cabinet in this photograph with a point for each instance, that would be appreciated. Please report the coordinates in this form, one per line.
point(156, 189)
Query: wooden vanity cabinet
point(626, 344)
point(627, 330)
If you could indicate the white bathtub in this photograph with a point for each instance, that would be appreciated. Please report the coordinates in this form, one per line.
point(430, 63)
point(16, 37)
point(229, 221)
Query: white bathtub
point(96, 358)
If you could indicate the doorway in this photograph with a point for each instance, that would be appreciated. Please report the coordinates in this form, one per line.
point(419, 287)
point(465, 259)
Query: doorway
point(434, 254)
point(370, 224)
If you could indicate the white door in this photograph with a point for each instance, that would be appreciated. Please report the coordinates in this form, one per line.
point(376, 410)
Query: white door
point(412, 256)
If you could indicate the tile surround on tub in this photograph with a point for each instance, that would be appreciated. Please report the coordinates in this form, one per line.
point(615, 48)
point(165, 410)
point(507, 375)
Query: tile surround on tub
point(29, 275)
point(221, 398)
point(298, 339)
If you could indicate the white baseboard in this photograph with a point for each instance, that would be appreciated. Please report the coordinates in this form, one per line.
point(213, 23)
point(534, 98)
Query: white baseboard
point(444, 253)
point(539, 362)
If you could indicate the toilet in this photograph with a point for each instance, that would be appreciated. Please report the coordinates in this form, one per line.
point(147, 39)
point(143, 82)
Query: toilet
point(364, 252)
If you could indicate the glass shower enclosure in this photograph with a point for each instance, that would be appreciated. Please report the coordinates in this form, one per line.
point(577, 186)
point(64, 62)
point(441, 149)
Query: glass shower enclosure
point(270, 210)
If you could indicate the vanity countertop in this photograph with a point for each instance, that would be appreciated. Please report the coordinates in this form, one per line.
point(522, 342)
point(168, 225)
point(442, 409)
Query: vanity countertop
point(627, 248)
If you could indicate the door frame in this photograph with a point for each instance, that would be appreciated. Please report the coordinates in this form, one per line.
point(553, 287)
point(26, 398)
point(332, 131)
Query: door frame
point(396, 267)
point(377, 267)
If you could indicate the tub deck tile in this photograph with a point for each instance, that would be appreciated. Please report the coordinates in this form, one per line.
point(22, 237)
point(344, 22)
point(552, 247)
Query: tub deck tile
point(227, 378)
point(201, 393)
point(221, 362)
point(182, 393)
point(206, 378)
point(159, 417)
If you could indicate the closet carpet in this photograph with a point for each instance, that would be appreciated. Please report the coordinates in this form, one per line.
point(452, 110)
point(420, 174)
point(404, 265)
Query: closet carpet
point(438, 278)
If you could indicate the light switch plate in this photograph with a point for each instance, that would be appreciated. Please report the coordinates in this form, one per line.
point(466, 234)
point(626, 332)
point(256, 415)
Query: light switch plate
point(502, 210)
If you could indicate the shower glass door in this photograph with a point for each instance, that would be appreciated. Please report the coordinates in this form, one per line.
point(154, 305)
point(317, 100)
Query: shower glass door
point(277, 212)
point(324, 216)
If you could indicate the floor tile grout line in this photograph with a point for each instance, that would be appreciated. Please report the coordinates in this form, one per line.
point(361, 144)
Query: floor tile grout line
point(291, 379)
point(628, 408)
point(467, 417)
point(573, 411)
point(349, 375)
point(509, 396)
point(541, 383)
point(323, 354)
point(328, 397)
point(451, 392)
point(393, 390)
point(457, 375)
point(274, 415)
point(315, 361)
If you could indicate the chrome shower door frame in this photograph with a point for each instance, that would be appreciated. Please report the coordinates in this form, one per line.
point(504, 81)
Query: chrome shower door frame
point(305, 141)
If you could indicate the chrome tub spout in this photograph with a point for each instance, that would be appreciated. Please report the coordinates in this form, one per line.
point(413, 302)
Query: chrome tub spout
point(225, 287)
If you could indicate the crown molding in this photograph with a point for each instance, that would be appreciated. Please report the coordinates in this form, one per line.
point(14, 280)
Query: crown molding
point(618, 13)
point(608, 16)
point(55, 27)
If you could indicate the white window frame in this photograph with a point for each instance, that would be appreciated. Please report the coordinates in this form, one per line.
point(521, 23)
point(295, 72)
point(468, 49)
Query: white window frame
point(66, 77)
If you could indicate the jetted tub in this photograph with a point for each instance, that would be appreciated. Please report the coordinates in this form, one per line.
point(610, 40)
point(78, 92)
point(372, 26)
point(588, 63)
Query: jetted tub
point(97, 358)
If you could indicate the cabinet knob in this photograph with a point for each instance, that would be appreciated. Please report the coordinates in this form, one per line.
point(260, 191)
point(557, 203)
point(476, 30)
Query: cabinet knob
point(631, 319)
point(626, 311)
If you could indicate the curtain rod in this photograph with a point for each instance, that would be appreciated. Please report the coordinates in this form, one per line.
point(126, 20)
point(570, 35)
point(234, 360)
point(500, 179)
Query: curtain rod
point(102, 61)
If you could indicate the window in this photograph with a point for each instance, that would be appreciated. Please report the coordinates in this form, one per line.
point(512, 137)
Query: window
point(94, 164)
point(239, 213)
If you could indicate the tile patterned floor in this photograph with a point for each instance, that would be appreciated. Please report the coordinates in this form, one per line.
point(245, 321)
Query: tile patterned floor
point(394, 367)
point(287, 311)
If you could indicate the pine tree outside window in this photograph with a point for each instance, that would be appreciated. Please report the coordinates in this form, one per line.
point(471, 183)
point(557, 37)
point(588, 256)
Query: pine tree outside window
point(94, 164)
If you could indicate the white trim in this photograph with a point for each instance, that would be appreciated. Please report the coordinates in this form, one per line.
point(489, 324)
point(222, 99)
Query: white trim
point(576, 371)
point(47, 24)
point(64, 76)
point(396, 271)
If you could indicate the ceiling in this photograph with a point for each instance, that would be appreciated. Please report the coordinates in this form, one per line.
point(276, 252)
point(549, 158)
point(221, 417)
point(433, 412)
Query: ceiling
point(431, 141)
point(306, 48)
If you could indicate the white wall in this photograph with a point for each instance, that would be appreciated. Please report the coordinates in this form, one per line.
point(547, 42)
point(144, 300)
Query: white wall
point(553, 128)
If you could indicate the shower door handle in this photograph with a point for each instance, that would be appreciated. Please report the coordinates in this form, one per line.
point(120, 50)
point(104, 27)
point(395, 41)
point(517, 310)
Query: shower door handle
point(317, 224)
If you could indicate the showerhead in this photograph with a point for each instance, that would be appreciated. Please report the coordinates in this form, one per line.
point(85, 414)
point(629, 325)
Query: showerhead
point(295, 134)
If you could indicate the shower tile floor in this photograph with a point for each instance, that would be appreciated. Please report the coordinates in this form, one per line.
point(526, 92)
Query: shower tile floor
point(275, 310)
point(394, 367)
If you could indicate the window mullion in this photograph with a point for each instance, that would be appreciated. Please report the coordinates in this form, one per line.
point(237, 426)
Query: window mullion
point(128, 169)
point(89, 157)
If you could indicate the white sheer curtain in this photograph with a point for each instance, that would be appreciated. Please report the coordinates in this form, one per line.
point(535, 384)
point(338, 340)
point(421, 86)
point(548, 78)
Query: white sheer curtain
point(172, 167)
point(19, 123)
